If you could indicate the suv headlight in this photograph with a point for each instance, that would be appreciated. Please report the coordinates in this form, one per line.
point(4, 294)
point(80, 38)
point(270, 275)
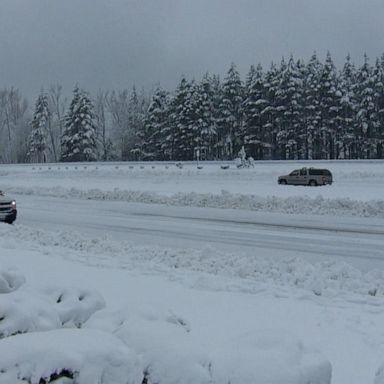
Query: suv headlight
point(13, 204)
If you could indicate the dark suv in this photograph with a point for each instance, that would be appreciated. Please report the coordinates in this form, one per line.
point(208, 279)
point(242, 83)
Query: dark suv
point(307, 176)
point(8, 210)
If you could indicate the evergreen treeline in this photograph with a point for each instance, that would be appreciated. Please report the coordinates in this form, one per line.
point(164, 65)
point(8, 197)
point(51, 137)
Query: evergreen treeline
point(294, 110)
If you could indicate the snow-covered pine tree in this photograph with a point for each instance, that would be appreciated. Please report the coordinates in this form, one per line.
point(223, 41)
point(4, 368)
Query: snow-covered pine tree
point(289, 108)
point(255, 105)
point(156, 127)
point(180, 141)
point(249, 79)
point(204, 122)
point(216, 89)
point(231, 127)
point(379, 105)
point(78, 141)
point(280, 108)
point(271, 85)
point(311, 113)
point(37, 141)
point(347, 111)
point(135, 117)
point(367, 116)
point(329, 105)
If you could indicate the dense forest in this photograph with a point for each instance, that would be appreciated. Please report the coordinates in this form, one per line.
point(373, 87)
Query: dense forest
point(292, 110)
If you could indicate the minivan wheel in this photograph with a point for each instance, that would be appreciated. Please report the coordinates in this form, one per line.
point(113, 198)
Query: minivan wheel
point(312, 183)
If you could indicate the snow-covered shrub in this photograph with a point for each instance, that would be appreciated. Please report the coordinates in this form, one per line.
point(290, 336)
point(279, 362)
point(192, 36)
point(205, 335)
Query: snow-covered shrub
point(173, 353)
point(269, 356)
point(10, 280)
point(75, 306)
point(165, 342)
point(26, 311)
point(70, 356)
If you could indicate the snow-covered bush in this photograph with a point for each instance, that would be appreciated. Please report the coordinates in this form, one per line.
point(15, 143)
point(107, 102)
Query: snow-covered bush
point(75, 306)
point(268, 356)
point(165, 342)
point(26, 311)
point(173, 353)
point(10, 280)
point(70, 356)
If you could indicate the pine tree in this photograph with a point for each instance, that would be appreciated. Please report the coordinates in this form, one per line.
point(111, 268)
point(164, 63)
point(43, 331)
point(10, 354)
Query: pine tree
point(367, 116)
point(216, 88)
point(289, 107)
point(78, 141)
point(250, 79)
point(379, 106)
point(329, 106)
point(156, 127)
point(255, 105)
point(179, 143)
point(271, 126)
point(311, 113)
point(231, 128)
point(347, 110)
point(204, 121)
point(37, 143)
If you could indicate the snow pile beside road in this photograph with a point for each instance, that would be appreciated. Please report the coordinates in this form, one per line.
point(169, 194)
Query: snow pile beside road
point(327, 278)
point(266, 356)
point(128, 347)
point(225, 200)
point(10, 280)
point(68, 356)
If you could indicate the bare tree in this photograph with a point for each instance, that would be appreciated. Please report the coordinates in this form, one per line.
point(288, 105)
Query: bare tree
point(14, 128)
point(103, 124)
point(117, 104)
point(57, 106)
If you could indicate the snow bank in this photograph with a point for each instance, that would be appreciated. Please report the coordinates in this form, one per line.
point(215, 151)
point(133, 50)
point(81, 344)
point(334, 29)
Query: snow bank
point(23, 311)
point(323, 278)
point(271, 356)
point(171, 354)
point(29, 311)
point(82, 356)
point(225, 200)
point(127, 347)
point(10, 279)
point(74, 305)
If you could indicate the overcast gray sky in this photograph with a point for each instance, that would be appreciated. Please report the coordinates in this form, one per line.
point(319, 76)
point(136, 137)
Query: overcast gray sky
point(113, 44)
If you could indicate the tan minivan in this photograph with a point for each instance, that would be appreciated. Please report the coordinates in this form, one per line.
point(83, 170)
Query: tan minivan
point(307, 176)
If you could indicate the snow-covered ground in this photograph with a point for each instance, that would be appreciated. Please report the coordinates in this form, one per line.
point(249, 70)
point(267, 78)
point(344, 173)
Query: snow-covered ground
point(116, 272)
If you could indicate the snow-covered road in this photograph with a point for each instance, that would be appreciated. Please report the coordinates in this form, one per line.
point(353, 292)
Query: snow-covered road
point(357, 241)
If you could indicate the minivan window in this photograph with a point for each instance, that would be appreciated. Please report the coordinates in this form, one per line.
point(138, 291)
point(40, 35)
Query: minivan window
point(319, 172)
point(316, 172)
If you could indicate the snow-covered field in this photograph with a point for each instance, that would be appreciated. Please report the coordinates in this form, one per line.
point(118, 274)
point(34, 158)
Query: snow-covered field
point(85, 299)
